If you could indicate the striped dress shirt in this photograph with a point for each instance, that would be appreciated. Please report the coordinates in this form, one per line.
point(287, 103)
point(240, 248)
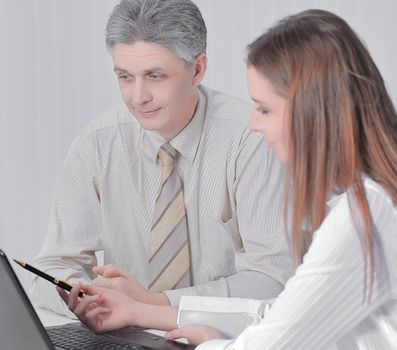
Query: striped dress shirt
point(105, 198)
point(323, 305)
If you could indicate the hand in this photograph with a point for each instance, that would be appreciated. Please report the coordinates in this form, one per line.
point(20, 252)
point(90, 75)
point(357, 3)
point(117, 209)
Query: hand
point(113, 278)
point(195, 334)
point(102, 309)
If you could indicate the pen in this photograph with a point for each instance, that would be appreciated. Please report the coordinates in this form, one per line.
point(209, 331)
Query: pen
point(56, 281)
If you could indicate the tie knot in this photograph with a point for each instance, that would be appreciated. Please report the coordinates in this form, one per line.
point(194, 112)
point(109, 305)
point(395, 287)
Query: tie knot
point(167, 154)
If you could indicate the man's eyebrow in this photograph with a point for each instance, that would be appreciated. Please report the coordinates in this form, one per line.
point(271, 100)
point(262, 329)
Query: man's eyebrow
point(120, 70)
point(154, 69)
point(146, 71)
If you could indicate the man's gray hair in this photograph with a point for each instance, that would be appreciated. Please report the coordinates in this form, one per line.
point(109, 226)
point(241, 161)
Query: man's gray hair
point(176, 25)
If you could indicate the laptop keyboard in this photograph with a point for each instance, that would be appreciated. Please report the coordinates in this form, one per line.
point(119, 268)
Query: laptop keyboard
point(79, 339)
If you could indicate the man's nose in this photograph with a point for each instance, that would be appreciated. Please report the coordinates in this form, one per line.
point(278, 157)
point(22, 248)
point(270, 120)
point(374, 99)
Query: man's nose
point(141, 93)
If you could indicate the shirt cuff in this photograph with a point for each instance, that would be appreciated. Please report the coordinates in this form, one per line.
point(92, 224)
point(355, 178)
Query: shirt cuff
point(229, 315)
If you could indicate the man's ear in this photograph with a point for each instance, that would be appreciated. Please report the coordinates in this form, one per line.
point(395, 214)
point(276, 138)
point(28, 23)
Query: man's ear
point(200, 68)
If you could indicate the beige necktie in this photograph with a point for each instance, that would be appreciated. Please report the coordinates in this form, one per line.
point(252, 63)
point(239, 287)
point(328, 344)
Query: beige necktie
point(169, 255)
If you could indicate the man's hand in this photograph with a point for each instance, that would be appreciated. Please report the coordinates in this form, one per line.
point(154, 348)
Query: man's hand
point(113, 278)
point(195, 334)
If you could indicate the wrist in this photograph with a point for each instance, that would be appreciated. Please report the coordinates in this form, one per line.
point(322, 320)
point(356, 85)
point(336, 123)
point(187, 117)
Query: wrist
point(152, 316)
point(138, 315)
point(160, 299)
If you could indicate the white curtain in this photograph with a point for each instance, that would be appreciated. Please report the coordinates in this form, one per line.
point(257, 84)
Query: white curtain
point(232, 24)
point(55, 75)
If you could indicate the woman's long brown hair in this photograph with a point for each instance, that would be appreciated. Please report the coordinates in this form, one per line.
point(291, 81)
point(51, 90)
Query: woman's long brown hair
point(343, 123)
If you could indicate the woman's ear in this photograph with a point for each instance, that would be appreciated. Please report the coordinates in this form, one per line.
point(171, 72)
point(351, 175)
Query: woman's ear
point(200, 67)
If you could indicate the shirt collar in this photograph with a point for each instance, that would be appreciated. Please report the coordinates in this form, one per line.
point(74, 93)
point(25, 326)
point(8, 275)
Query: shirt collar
point(186, 142)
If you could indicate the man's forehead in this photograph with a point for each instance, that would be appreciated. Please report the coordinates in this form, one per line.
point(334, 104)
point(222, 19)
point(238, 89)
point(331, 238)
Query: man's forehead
point(143, 50)
point(143, 56)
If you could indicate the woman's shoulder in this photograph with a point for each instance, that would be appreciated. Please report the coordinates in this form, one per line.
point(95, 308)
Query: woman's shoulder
point(377, 196)
point(374, 191)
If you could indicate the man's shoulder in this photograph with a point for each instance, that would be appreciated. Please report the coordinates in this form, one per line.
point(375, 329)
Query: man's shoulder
point(231, 115)
point(110, 119)
point(223, 107)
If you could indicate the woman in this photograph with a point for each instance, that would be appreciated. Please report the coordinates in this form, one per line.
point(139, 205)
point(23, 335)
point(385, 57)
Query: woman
point(322, 106)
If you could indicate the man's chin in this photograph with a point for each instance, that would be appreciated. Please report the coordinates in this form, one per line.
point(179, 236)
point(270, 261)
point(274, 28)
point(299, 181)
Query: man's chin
point(150, 125)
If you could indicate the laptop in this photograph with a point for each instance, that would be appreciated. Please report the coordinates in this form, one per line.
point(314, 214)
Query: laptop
point(21, 328)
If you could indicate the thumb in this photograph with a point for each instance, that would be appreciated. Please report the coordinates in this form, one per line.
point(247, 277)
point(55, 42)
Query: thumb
point(111, 272)
point(175, 334)
point(93, 290)
point(98, 270)
point(106, 271)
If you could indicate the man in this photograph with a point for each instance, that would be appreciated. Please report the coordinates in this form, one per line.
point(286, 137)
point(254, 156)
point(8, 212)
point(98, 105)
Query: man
point(221, 232)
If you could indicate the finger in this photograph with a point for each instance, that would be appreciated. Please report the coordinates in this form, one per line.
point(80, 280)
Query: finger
point(95, 312)
point(85, 290)
point(92, 290)
point(111, 272)
point(102, 282)
point(175, 334)
point(74, 296)
point(64, 296)
point(97, 319)
point(100, 269)
point(84, 303)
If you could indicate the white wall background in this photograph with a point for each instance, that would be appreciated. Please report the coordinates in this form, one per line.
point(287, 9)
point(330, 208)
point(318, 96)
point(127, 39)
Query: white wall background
point(55, 75)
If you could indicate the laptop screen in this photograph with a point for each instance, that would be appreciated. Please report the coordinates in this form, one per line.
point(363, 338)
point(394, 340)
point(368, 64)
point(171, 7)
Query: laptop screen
point(20, 327)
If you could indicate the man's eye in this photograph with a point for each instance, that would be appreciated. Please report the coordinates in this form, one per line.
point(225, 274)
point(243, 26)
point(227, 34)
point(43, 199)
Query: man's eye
point(156, 76)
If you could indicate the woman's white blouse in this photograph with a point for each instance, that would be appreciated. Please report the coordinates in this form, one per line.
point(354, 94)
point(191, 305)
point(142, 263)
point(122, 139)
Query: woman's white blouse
point(323, 305)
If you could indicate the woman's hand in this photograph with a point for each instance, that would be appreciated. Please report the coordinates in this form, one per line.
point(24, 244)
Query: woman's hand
point(195, 334)
point(102, 309)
